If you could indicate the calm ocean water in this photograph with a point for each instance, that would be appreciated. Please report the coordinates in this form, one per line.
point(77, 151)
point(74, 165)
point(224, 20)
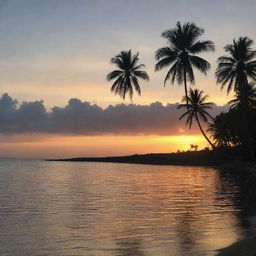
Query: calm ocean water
point(105, 209)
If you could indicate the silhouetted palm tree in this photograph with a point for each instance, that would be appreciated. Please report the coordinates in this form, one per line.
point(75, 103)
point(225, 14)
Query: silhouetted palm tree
point(196, 109)
point(218, 132)
point(249, 92)
point(181, 54)
point(126, 77)
point(234, 71)
point(224, 130)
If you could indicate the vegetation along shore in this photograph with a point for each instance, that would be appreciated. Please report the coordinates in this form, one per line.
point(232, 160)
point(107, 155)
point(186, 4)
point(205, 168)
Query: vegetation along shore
point(215, 157)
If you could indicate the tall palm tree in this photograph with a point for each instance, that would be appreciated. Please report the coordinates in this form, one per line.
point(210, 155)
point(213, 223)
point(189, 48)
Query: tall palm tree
point(234, 71)
point(196, 109)
point(180, 54)
point(238, 66)
point(127, 75)
point(249, 92)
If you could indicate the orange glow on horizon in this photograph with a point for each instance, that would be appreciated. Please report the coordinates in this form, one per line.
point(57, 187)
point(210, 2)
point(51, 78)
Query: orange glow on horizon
point(78, 146)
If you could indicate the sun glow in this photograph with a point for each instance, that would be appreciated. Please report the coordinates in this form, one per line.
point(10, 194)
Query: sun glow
point(182, 142)
point(104, 145)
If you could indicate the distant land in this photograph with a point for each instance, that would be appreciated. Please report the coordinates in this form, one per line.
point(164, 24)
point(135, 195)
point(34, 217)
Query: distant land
point(200, 158)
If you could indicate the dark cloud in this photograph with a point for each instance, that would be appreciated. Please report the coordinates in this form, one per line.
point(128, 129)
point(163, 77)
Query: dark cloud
point(84, 118)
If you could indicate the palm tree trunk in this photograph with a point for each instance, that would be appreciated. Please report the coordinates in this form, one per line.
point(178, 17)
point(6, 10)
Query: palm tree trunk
point(202, 131)
point(185, 84)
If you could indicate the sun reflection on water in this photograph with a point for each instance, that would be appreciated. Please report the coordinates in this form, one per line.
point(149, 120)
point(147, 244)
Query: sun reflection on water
point(115, 209)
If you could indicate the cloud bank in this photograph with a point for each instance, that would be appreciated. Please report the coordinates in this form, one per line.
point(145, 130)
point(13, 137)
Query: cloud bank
point(84, 118)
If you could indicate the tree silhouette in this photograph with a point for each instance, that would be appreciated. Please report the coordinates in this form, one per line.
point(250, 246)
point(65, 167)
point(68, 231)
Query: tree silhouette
point(234, 71)
point(249, 92)
point(126, 77)
point(180, 54)
point(192, 146)
point(196, 109)
point(224, 129)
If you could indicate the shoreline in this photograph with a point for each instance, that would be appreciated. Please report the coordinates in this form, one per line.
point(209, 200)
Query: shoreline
point(191, 158)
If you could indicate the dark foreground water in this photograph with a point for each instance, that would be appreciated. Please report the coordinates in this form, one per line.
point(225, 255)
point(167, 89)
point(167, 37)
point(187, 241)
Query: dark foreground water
point(105, 209)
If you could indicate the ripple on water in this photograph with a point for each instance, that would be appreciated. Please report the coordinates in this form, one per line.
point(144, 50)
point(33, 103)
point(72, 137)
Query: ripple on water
point(58, 208)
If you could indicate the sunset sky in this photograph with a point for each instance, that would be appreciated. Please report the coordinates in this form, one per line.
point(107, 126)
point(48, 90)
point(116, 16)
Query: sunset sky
point(54, 58)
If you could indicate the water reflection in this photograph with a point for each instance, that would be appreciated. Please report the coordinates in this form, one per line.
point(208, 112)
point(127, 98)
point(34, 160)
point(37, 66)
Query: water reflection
point(50, 208)
point(244, 199)
point(129, 246)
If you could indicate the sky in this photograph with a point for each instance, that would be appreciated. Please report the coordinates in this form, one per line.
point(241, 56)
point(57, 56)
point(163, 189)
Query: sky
point(54, 58)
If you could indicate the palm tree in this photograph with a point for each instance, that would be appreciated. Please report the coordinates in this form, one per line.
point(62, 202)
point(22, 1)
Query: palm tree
point(127, 75)
point(224, 129)
point(219, 131)
point(249, 92)
point(234, 71)
point(196, 109)
point(181, 54)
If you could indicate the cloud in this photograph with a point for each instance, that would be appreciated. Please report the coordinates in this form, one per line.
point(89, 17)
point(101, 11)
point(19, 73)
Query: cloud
point(85, 118)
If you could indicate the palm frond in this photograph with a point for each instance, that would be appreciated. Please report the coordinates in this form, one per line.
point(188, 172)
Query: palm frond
point(141, 74)
point(164, 62)
point(202, 46)
point(136, 84)
point(114, 74)
point(201, 64)
point(165, 52)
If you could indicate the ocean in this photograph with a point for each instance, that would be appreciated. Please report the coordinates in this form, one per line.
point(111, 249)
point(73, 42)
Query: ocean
point(111, 209)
